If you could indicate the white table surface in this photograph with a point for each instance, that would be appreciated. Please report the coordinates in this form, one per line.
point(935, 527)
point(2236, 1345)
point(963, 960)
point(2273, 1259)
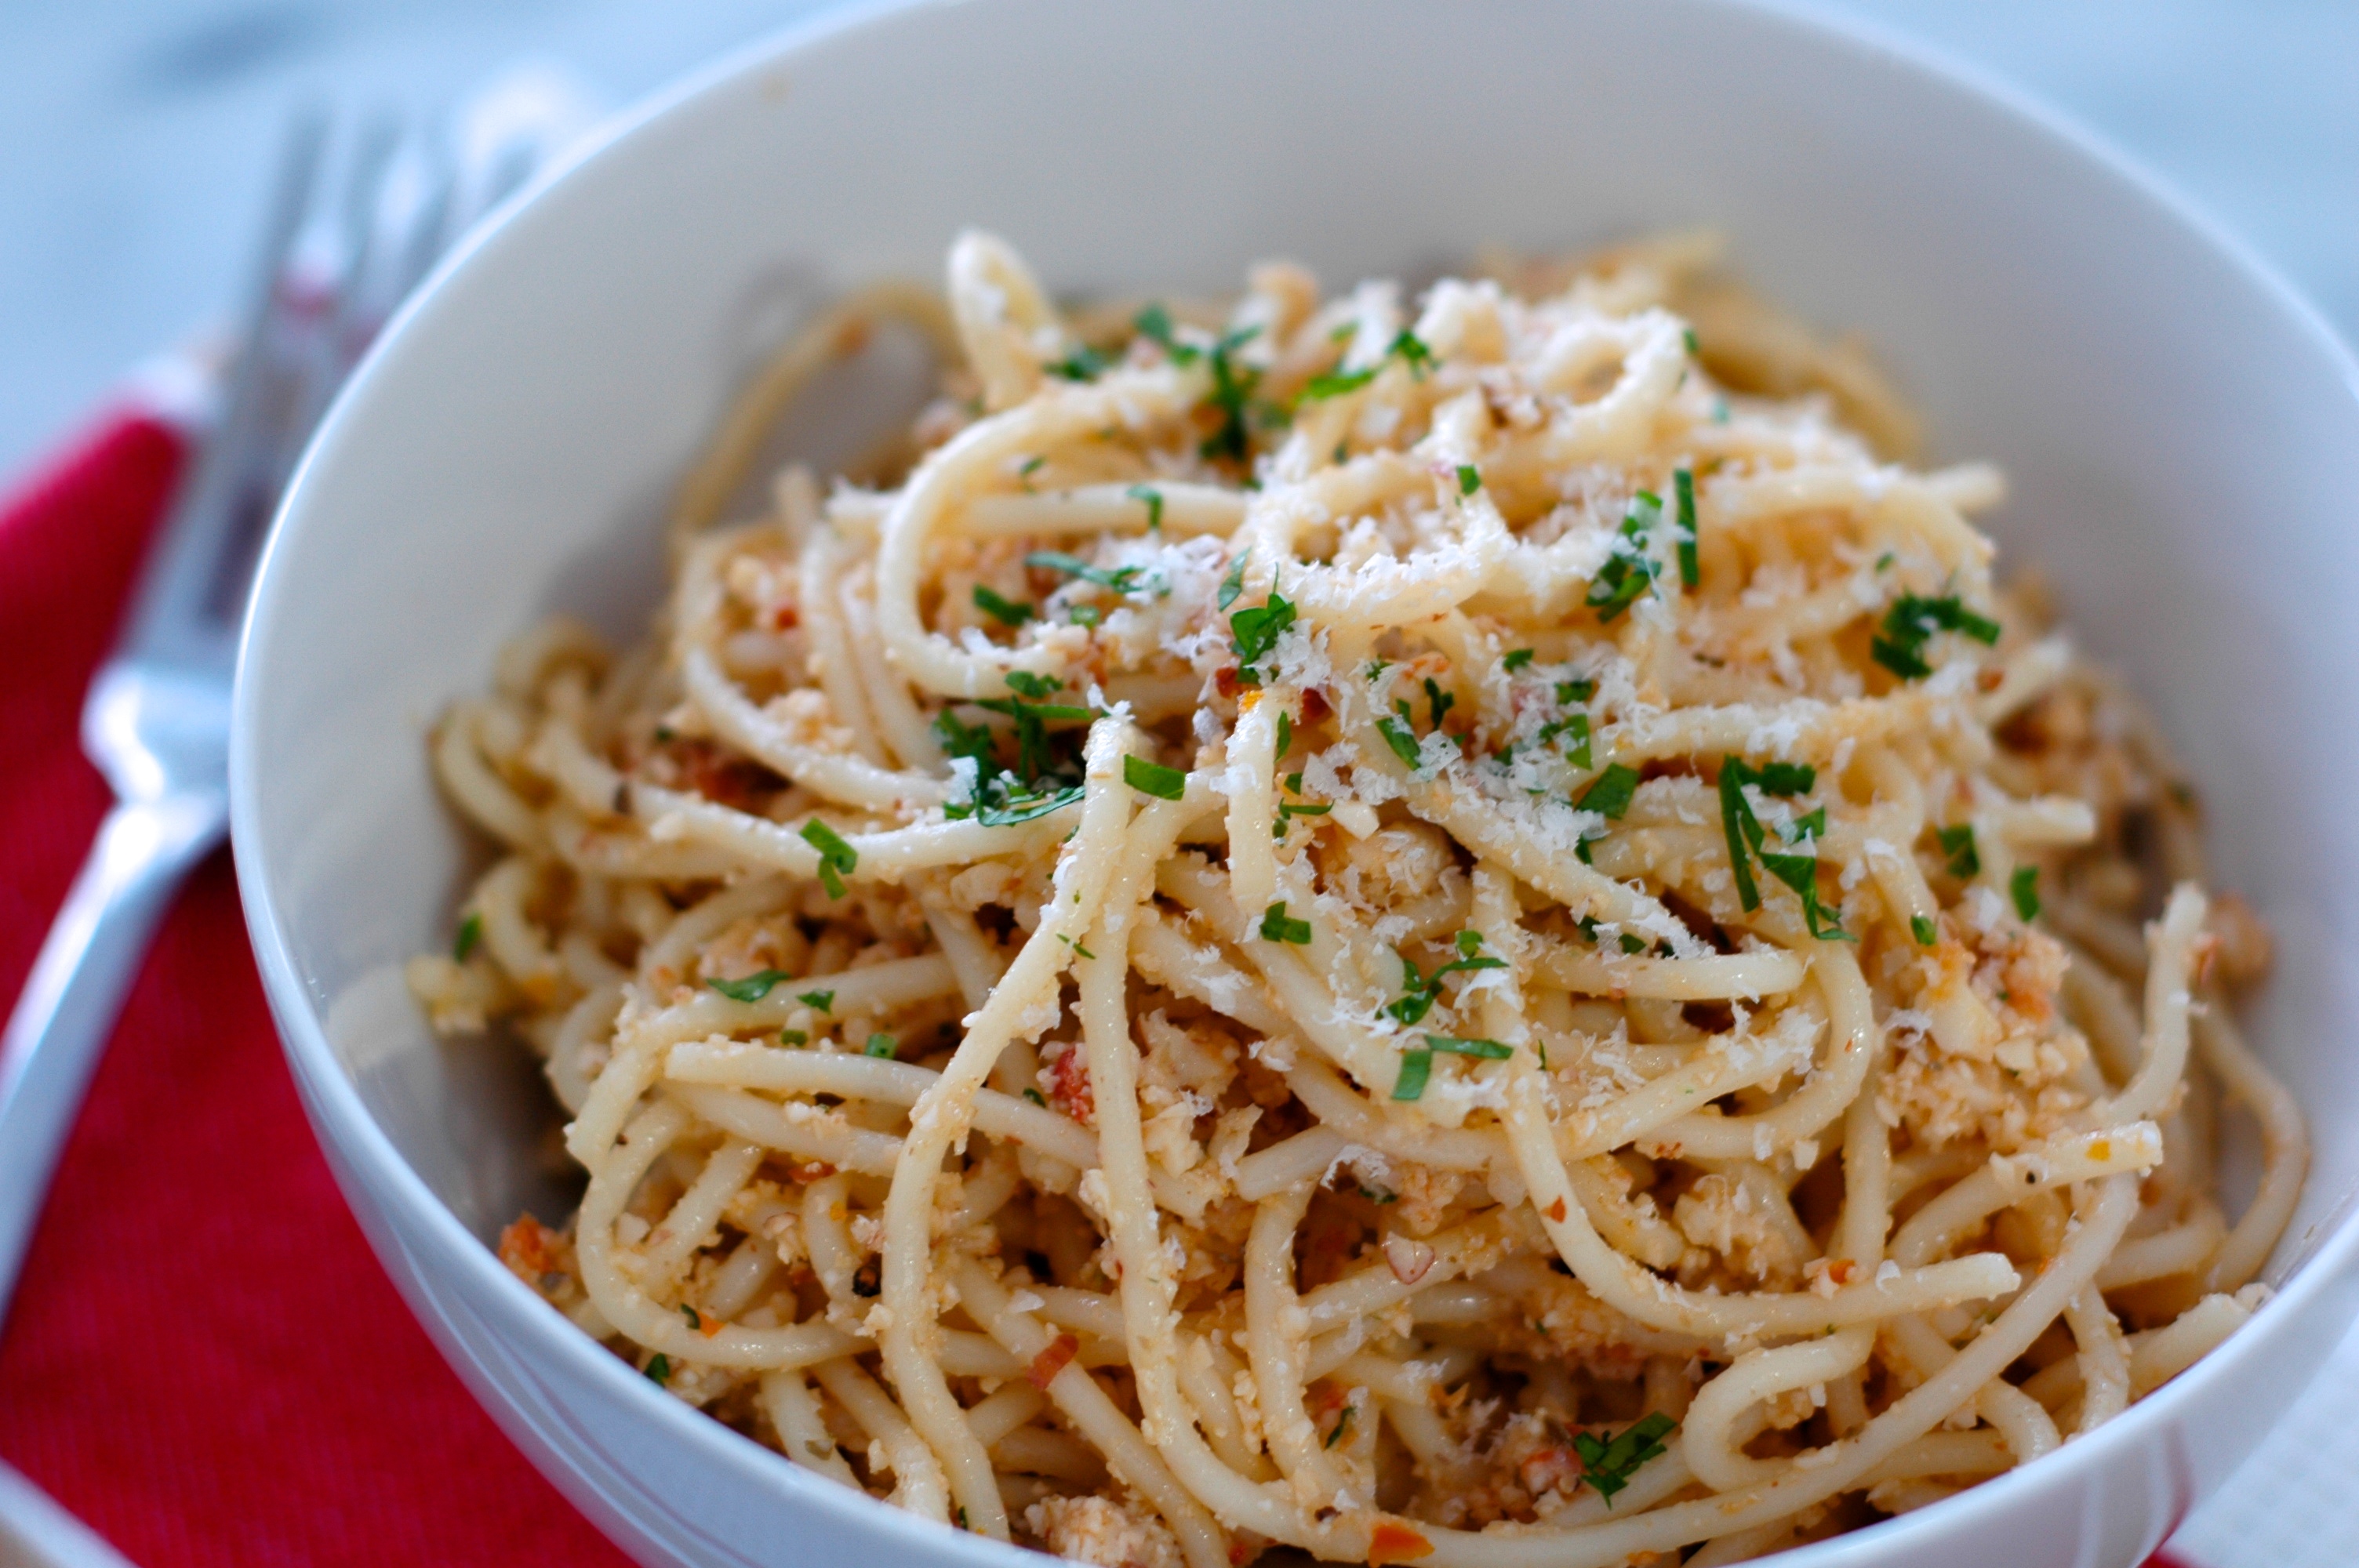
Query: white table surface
point(136, 138)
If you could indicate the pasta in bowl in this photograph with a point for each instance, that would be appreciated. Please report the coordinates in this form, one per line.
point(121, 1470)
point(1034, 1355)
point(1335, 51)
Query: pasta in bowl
point(1458, 928)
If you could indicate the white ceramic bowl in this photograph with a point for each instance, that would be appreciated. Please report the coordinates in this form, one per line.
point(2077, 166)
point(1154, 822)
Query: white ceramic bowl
point(2181, 432)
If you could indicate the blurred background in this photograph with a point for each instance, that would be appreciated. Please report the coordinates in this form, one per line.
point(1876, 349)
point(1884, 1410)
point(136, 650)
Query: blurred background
point(136, 137)
point(137, 140)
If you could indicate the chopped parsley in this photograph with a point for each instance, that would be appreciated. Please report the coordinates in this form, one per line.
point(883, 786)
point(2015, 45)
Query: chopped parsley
point(689, 1312)
point(1419, 993)
point(1922, 929)
point(1155, 324)
point(1406, 345)
point(1629, 571)
point(2025, 887)
point(1234, 583)
point(1744, 831)
point(879, 1045)
point(792, 1037)
point(471, 932)
point(1335, 383)
point(1684, 493)
point(1024, 683)
point(1285, 740)
point(1487, 1050)
point(1517, 659)
point(1417, 1066)
point(1084, 363)
point(820, 1002)
point(1041, 780)
point(1255, 633)
point(1910, 624)
point(1036, 1097)
point(1958, 844)
point(1153, 778)
point(1573, 724)
point(1439, 701)
point(748, 987)
point(1633, 945)
point(1687, 336)
point(835, 856)
point(1031, 466)
point(1153, 498)
point(1120, 580)
point(1609, 1465)
point(1341, 1422)
point(1412, 352)
point(1233, 385)
point(1276, 925)
point(659, 1371)
point(1287, 812)
point(1575, 690)
point(1007, 612)
point(1469, 479)
point(1610, 792)
point(1084, 615)
point(1400, 738)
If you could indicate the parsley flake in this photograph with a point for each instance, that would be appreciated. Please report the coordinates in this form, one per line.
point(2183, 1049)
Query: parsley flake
point(1486, 1049)
point(1517, 659)
point(1609, 1465)
point(1958, 843)
point(1910, 624)
point(835, 856)
point(471, 932)
point(1610, 792)
point(821, 1001)
point(1417, 1066)
point(1120, 580)
point(1469, 479)
point(1153, 778)
point(1084, 363)
point(1922, 929)
point(1276, 925)
point(1684, 493)
point(1007, 612)
point(2025, 888)
point(748, 987)
point(1153, 498)
point(1234, 583)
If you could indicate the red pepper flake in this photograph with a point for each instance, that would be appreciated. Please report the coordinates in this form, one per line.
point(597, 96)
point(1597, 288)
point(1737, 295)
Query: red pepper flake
point(1069, 1086)
point(1314, 706)
point(1224, 681)
point(1556, 1210)
point(1393, 1541)
point(1051, 1361)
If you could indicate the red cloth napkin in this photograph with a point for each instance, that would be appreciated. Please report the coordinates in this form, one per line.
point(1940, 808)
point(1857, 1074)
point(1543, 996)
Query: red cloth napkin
point(203, 1360)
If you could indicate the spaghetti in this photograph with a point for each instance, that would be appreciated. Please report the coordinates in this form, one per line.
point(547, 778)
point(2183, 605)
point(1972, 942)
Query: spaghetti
point(1472, 937)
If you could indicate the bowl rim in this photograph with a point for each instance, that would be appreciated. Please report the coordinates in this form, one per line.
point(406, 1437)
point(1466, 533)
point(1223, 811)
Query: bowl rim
point(364, 1154)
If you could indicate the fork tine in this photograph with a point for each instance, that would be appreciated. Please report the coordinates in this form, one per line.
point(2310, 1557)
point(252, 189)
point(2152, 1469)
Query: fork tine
point(178, 611)
point(328, 350)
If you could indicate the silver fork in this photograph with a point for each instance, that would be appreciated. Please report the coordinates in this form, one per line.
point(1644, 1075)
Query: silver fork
point(157, 724)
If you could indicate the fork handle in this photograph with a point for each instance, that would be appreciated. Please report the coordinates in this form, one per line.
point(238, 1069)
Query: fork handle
point(76, 990)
